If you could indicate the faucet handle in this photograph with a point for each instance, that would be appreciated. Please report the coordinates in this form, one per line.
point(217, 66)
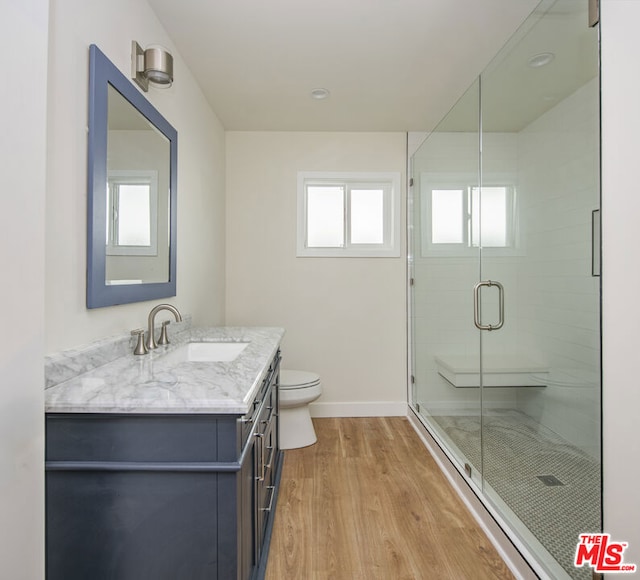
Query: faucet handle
point(140, 348)
point(164, 337)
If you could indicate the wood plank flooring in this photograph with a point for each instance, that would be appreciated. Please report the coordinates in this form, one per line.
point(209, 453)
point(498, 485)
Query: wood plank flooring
point(369, 502)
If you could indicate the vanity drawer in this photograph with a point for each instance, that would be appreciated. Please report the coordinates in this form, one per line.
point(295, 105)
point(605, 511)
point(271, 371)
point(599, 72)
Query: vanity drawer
point(136, 438)
point(267, 390)
point(248, 421)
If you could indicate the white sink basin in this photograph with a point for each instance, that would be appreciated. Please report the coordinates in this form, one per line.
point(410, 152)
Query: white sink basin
point(205, 352)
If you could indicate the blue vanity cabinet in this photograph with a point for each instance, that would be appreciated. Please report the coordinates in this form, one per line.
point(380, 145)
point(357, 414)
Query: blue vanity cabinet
point(164, 496)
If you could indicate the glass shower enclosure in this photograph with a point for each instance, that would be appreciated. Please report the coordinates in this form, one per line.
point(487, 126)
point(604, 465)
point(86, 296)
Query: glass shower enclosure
point(504, 261)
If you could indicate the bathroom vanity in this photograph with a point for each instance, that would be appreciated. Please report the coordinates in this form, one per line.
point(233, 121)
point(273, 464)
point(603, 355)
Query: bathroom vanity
point(166, 466)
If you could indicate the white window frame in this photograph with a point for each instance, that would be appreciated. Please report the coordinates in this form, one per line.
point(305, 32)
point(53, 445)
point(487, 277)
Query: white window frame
point(389, 182)
point(117, 177)
point(466, 248)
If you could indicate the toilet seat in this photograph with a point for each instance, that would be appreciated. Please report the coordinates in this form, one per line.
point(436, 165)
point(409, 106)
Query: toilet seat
point(298, 379)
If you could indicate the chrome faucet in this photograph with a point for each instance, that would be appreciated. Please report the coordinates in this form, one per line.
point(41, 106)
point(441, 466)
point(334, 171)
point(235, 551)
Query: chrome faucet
point(151, 339)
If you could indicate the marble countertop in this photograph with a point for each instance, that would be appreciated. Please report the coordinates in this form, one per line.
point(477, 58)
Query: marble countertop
point(151, 384)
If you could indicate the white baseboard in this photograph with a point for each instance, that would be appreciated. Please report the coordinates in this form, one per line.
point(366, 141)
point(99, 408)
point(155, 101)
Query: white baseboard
point(360, 409)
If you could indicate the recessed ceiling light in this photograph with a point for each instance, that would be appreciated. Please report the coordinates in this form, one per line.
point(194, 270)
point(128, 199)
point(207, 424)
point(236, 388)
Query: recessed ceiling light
point(542, 59)
point(319, 94)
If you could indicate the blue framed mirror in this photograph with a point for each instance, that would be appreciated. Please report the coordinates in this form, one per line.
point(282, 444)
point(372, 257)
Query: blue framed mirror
point(132, 192)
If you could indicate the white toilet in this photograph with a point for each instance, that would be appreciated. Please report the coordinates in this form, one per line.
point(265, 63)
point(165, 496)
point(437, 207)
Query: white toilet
point(297, 390)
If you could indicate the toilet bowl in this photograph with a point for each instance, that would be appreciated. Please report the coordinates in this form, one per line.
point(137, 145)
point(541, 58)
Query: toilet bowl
point(297, 390)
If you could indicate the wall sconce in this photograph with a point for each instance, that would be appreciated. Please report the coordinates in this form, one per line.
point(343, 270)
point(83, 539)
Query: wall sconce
point(151, 66)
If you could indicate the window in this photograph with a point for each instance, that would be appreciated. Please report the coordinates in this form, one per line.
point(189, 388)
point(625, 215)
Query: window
point(454, 222)
point(132, 207)
point(348, 214)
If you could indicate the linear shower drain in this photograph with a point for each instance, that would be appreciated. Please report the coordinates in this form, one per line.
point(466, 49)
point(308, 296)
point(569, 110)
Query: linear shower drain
point(549, 480)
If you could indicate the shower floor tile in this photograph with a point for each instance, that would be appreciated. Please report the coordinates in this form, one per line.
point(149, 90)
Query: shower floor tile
point(517, 452)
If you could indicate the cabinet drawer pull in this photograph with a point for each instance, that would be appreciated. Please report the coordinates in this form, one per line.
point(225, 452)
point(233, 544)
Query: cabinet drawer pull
point(273, 493)
point(261, 462)
point(268, 465)
point(270, 417)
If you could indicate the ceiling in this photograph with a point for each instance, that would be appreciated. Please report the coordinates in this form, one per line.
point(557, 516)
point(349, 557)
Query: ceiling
point(514, 93)
point(390, 65)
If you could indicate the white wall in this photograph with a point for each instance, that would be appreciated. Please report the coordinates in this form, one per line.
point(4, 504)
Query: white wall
point(23, 38)
point(621, 270)
point(112, 25)
point(344, 317)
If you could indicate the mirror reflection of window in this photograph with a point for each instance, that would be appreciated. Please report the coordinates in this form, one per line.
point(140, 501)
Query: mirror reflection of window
point(132, 209)
point(133, 218)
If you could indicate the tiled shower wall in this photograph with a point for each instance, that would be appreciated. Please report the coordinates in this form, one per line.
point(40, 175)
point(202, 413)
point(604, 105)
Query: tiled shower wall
point(558, 160)
point(551, 298)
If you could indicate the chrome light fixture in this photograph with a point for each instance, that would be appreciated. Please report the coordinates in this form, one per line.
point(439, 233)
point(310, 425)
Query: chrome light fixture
point(151, 66)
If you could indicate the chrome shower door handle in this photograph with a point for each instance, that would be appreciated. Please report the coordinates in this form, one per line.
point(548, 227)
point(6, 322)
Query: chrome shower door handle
point(476, 305)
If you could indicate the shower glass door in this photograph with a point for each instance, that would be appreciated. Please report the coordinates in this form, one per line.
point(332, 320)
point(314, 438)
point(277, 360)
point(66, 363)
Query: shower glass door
point(539, 202)
point(505, 260)
point(444, 266)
